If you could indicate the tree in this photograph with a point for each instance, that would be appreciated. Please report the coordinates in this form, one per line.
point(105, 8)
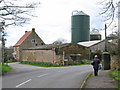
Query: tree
point(11, 13)
point(109, 10)
point(59, 41)
point(8, 53)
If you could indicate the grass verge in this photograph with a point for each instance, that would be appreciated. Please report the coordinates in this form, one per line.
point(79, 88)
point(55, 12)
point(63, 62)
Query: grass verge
point(47, 64)
point(4, 68)
point(116, 75)
point(84, 83)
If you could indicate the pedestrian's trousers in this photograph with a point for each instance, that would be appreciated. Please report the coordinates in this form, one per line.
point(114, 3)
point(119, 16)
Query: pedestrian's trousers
point(95, 72)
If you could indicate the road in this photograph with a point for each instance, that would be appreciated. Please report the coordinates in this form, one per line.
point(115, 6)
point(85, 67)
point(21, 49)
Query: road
point(26, 76)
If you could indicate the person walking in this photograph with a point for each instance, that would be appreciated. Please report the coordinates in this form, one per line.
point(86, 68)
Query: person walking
point(95, 64)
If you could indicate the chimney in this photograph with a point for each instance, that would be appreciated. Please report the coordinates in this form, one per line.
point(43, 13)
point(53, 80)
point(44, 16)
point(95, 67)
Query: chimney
point(33, 29)
point(25, 31)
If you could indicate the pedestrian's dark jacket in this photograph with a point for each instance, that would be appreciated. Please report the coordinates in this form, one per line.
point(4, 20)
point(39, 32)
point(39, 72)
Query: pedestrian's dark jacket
point(95, 63)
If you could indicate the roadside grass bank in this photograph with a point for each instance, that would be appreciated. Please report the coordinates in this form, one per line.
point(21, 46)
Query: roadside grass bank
point(84, 83)
point(47, 64)
point(4, 68)
point(116, 76)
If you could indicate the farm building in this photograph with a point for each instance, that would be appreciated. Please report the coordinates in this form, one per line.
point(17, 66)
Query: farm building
point(29, 39)
point(73, 53)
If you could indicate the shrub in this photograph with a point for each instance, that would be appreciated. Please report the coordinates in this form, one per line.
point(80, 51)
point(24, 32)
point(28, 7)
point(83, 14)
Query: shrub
point(5, 68)
point(116, 75)
point(85, 62)
point(37, 63)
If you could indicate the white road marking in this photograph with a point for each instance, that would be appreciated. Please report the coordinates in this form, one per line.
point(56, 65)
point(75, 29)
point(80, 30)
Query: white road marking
point(59, 71)
point(23, 83)
point(42, 75)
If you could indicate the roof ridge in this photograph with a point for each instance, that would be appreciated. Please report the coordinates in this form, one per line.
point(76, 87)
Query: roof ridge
point(20, 41)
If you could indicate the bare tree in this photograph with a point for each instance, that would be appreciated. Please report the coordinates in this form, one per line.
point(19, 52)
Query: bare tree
point(60, 41)
point(110, 11)
point(15, 14)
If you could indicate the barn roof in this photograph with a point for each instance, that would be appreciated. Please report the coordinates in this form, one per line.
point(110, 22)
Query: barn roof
point(90, 43)
point(22, 38)
point(48, 46)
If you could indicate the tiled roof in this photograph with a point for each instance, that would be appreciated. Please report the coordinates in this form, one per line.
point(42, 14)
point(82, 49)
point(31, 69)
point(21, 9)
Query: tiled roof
point(23, 38)
point(48, 47)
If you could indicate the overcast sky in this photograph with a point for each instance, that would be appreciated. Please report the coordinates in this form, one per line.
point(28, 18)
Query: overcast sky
point(54, 20)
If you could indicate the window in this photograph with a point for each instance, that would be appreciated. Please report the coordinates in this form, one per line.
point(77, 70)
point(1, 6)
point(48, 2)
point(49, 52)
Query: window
point(42, 43)
point(33, 40)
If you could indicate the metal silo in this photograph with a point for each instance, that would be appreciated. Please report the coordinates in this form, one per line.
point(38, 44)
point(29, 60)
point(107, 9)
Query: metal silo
point(80, 27)
point(95, 35)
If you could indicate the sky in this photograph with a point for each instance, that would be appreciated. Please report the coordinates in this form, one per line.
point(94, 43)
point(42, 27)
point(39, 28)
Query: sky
point(53, 20)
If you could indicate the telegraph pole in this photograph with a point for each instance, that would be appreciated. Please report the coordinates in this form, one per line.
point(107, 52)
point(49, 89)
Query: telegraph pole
point(106, 55)
point(105, 38)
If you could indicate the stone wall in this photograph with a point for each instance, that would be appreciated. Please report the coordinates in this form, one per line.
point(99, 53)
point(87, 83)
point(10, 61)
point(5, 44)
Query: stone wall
point(0, 52)
point(27, 43)
point(115, 62)
point(40, 56)
point(47, 55)
point(75, 49)
point(100, 46)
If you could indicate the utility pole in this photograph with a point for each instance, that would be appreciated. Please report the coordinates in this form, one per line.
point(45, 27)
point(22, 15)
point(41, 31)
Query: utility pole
point(106, 55)
point(105, 38)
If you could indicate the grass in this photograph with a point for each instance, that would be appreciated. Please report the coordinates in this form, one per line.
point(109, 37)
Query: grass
point(89, 75)
point(4, 68)
point(10, 62)
point(84, 83)
point(47, 64)
point(116, 75)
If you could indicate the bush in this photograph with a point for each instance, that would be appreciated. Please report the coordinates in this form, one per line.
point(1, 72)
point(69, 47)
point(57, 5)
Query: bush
point(48, 64)
point(5, 68)
point(116, 75)
point(85, 62)
point(37, 63)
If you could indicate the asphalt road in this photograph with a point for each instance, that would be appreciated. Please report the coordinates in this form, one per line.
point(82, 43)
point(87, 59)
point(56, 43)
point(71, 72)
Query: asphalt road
point(26, 76)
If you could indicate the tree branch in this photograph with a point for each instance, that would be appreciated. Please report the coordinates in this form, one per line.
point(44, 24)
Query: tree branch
point(108, 11)
point(16, 14)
